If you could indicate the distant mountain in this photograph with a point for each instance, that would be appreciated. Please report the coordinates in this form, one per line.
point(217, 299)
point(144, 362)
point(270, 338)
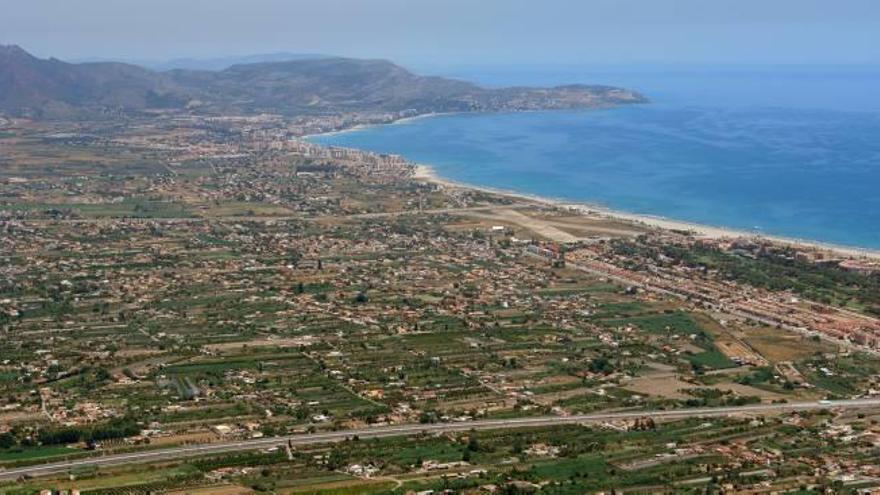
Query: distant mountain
point(326, 85)
point(221, 63)
point(193, 63)
point(51, 88)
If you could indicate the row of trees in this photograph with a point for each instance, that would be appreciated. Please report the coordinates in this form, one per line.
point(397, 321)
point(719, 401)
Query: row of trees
point(118, 428)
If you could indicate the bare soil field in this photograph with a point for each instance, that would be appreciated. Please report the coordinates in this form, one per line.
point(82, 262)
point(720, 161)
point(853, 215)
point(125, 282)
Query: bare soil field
point(673, 388)
point(778, 345)
point(214, 490)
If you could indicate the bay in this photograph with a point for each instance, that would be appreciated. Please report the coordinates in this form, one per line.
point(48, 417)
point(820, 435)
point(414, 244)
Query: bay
point(800, 164)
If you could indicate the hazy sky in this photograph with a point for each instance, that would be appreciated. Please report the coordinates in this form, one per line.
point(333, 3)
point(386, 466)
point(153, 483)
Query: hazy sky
point(428, 33)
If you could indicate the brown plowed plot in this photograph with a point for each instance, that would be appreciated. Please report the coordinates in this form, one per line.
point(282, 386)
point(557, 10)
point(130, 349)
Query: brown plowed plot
point(349, 486)
point(214, 490)
point(779, 345)
point(196, 437)
point(660, 386)
point(735, 349)
point(730, 343)
point(550, 398)
point(283, 342)
point(673, 388)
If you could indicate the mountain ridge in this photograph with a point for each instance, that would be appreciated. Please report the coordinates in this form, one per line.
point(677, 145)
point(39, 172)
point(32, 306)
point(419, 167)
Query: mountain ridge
point(212, 63)
point(51, 88)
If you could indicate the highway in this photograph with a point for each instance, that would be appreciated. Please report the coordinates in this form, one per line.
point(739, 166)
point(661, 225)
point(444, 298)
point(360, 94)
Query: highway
point(169, 454)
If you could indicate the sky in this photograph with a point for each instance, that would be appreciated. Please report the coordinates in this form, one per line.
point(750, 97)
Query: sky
point(427, 33)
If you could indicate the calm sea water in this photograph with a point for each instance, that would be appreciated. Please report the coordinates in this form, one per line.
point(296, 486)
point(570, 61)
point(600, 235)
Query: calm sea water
point(792, 152)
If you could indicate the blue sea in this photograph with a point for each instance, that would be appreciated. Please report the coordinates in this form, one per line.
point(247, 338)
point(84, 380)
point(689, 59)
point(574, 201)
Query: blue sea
point(791, 151)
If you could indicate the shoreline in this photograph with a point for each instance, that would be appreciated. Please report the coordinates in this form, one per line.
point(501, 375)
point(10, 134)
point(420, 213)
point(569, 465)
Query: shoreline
point(361, 127)
point(428, 174)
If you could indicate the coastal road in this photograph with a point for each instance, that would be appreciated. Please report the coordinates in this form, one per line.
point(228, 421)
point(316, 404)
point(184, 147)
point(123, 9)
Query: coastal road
point(170, 454)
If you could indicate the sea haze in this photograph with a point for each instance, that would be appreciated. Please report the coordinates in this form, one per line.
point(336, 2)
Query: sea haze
point(792, 152)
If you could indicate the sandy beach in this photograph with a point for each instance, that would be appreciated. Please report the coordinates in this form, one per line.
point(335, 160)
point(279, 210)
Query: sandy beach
point(428, 174)
point(361, 127)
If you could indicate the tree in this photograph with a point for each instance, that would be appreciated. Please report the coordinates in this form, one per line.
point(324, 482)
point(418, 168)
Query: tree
point(6, 440)
point(602, 365)
point(102, 375)
point(335, 459)
point(517, 447)
point(473, 445)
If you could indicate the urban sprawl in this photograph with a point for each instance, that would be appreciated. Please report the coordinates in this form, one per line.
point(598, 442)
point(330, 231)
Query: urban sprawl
point(214, 304)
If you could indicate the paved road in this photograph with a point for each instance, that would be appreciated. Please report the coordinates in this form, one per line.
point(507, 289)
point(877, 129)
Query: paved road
point(409, 429)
